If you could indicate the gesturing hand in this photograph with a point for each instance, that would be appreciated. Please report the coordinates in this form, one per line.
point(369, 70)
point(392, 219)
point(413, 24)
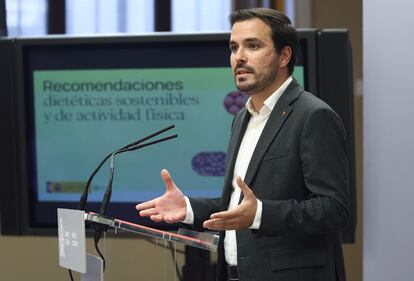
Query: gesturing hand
point(170, 207)
point(240, 217)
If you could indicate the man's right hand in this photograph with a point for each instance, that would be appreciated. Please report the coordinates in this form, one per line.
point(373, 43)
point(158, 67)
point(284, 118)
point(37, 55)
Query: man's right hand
point(170, 207)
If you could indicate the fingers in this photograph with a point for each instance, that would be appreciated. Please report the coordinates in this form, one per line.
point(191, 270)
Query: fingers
point(148, 212)
point(166, 177)
point(157, 218)
point(145, 205)
point(243, 187)
point(240, 217)
point(225, 220)
point(221, 224)
point(225, 214)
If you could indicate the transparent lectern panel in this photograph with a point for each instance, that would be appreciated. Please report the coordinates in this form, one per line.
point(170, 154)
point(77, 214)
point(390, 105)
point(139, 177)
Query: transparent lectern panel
point(210, 240)
point(201, 240)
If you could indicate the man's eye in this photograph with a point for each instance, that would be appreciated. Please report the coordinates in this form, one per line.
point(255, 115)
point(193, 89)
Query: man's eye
point(253, 46)
point(233, 48)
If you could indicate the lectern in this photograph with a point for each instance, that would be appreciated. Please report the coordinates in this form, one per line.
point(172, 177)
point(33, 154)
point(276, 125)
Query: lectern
point(72, 250)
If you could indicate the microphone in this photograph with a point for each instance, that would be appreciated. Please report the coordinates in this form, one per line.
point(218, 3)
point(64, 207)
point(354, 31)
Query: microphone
point(129, 147)
point(135, 146)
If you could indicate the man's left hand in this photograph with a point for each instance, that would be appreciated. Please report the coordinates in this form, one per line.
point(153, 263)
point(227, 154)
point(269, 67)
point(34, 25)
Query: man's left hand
point(241, 217)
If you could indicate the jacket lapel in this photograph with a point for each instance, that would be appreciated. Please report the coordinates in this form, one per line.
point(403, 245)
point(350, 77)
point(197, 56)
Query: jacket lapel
point(239, 128)
point(277, 118)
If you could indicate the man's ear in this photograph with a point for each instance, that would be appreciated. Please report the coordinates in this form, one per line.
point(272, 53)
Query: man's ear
point(285, 56)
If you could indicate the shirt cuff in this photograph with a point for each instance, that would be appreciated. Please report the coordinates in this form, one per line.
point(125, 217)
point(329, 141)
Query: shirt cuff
point(189, 217)
point(258, 217)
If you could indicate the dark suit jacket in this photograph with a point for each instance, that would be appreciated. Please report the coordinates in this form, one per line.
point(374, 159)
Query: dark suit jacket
point(299, 171)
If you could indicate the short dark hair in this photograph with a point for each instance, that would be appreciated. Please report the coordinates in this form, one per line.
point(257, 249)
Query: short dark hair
point(283, 33)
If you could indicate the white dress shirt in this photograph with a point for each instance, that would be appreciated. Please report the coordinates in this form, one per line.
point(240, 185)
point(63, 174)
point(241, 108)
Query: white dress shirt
point(254, 129)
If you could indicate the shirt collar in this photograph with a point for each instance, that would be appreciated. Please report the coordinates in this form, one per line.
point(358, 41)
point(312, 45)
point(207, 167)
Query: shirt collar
point(270, 102)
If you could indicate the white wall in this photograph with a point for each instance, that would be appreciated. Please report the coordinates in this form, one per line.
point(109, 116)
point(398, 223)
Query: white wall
point(388, 74)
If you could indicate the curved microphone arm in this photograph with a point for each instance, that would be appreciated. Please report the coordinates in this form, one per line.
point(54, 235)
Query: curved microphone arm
point(129, 147)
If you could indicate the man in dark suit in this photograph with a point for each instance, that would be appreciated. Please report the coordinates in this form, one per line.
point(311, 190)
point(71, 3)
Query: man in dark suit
point(285, 196)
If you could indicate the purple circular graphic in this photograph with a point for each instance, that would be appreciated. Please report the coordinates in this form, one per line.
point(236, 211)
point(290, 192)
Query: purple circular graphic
point(234, 102)
point(209, 163)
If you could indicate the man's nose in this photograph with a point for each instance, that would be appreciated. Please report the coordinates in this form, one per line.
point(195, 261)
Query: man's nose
point(240, 55)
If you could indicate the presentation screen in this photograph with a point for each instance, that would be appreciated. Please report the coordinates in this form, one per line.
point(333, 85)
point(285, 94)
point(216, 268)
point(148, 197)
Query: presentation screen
point(82, 115)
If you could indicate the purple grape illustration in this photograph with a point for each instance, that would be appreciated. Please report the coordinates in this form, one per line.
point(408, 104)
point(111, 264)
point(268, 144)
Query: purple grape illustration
point(209, 163)
point(234, 102)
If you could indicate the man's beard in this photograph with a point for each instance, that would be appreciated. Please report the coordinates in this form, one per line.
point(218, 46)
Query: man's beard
point(244, 86)
point(255, 85)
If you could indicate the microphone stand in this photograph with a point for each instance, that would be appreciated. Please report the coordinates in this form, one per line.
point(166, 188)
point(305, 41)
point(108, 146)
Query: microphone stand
point(99, 229)
point(84, 195)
